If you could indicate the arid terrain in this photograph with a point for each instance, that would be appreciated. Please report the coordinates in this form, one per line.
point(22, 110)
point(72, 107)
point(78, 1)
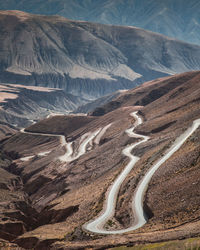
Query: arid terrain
point(174, 18)
point(56, 174)
point(22, 105)
point(86, 59)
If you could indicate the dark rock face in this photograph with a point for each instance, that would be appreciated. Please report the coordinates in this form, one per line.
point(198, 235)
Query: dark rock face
point(48, 216)
point(86, 59)
point(174, 18)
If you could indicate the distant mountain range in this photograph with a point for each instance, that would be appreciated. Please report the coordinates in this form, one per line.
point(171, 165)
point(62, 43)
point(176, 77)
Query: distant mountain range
point(175, 18)
point(86, 59)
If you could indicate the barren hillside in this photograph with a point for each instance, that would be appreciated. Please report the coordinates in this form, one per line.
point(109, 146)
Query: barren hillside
point(86, 59)
point(62, 182)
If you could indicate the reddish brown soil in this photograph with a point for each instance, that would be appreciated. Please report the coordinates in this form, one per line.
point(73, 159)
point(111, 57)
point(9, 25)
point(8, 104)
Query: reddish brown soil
point(60, 124)
point(66, 195)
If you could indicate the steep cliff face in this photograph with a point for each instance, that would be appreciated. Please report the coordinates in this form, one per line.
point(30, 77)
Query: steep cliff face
point(84, 58)
point(174, 18)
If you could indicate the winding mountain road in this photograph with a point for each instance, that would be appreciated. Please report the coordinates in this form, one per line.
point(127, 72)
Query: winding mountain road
point(97, 225)
point(86, 143)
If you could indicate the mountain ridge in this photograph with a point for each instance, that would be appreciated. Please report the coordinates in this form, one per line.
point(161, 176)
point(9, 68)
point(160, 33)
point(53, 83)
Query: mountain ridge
point(179, 19)
point(86, 59)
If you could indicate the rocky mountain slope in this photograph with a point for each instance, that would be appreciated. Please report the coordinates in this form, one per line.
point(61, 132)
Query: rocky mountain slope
point(86, 59)
point(175, 18)
point(6, 130)
point(90, 106)
point(21, 105)
point(65, 182)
